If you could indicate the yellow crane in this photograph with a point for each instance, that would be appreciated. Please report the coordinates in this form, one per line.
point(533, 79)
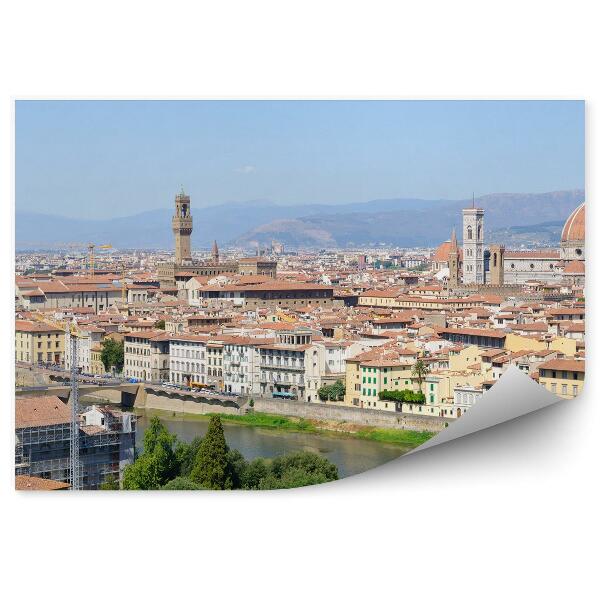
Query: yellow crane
point(91, 247)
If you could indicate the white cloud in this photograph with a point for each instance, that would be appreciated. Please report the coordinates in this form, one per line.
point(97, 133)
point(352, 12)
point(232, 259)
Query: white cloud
point(246, 169)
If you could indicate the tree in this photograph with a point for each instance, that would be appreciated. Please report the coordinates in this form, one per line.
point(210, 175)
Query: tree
point(402, 396)
point(186, 455)
point(157, 464)
point(182, 483)
point(291, 470)
point(335, 391)
point(110, 483)
point(160, 324)
point(256, 470)
point(237, 465)
point(309, 462)
point(292, 478)
point(420, 370)
point(211, 467)
point(112, 354)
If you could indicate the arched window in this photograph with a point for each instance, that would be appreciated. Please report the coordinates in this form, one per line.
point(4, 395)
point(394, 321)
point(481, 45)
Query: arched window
point(479, 232)
point(469, 233)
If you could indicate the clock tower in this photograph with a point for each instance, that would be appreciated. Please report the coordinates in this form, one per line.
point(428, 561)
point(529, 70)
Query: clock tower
point(182, 228)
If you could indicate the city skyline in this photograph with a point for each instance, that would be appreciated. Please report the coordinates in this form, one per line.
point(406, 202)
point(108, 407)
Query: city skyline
point(87, 159)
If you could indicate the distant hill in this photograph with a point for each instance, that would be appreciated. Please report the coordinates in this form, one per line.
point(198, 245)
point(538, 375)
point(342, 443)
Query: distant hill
point(540, 234)
point(400, 222)
point(420, 223)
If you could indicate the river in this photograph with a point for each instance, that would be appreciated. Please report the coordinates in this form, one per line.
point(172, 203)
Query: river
point(351, 455)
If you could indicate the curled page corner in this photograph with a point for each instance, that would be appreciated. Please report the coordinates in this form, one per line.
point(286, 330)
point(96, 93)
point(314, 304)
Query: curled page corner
point(514, 395)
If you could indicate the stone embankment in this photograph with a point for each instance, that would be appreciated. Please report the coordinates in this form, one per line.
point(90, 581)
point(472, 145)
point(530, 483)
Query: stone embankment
point(349, 414)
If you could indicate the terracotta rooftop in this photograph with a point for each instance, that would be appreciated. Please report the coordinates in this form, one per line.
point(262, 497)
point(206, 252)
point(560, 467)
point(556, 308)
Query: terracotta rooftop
point(40, 410)
point(37, 484)
point(564, 364)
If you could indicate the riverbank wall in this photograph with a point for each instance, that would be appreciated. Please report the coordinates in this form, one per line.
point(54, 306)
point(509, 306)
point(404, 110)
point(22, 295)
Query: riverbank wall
point(349, 414)
point(182, 404)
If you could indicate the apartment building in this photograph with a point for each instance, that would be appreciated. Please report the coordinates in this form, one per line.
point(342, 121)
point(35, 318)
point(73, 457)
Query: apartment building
point(187, 355)
point(146, 355)
point(282, 364)
point(241, 365)
point(563, 376)
point(38, 342)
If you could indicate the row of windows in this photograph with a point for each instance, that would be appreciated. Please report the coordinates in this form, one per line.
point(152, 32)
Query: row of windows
point(559, 374)
point(564, 388)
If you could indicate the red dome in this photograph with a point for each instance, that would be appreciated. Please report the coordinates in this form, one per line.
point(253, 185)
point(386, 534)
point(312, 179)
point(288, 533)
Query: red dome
point(442, 252)
point(574, 229)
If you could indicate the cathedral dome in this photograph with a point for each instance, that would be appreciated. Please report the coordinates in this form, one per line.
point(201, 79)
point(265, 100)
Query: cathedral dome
point(574, 229)
point(442, 252)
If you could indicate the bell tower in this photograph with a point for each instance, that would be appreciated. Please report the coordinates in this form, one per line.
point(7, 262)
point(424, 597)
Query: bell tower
point(473, 266)
point(182, 228)
point(496, 264)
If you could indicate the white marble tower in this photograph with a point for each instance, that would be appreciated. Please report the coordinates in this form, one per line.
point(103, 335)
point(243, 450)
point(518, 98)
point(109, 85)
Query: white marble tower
point(473, 268)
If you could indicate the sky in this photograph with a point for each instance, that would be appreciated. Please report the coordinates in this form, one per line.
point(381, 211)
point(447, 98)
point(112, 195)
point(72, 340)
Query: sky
point(102, 159)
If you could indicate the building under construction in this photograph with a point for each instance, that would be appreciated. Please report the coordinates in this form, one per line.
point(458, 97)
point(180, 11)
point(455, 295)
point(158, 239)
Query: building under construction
point(43, 441)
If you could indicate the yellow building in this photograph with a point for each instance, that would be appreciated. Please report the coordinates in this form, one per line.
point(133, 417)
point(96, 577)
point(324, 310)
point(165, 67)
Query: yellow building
point(515, 343)
point(563, 377)
point(37, 342)
point(461, 360)
point(380, 374)
point(96, 364)
point(352, 397)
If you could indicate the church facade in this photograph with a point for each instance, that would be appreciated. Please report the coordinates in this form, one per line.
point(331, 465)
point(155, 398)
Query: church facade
point(497, 266)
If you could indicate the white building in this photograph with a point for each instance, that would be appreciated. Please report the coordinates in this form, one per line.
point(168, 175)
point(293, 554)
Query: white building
point(282, 364)
point(187, 356)
point(88, 337)
point(466, 396)
point(146, 355)
point(241, 365)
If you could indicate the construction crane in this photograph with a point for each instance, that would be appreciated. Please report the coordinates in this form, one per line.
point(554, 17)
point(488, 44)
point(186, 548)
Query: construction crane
point(74, 446)
point(91, 247)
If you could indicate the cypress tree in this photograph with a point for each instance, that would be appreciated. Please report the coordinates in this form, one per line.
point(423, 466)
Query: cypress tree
point(211, 468)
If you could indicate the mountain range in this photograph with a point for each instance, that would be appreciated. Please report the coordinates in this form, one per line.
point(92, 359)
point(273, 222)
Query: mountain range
point(509, 218)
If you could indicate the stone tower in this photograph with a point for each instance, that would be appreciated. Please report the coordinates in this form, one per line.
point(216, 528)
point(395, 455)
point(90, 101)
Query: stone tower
point(453, 260)
point(473, 268)
point(182, 228)
point(496, 265)
point(215, 253)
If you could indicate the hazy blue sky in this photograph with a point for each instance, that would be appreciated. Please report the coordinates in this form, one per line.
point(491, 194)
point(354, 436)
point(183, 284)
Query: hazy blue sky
point(116, 158)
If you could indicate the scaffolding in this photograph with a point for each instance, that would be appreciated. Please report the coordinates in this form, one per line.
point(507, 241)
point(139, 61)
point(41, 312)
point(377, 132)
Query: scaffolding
point(45, 450)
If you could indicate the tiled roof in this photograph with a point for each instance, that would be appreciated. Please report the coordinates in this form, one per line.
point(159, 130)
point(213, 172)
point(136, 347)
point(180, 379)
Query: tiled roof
point(564, 364)
point(29, 483)
point(40, 410)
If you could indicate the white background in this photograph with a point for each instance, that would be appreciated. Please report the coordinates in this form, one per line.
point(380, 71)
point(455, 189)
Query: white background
point(510, 512)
